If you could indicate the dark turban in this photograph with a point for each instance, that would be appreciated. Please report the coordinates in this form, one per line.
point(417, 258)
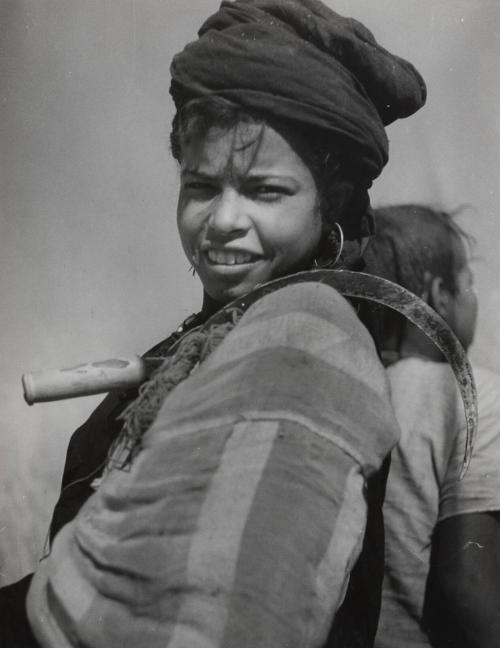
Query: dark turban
point(300, 61)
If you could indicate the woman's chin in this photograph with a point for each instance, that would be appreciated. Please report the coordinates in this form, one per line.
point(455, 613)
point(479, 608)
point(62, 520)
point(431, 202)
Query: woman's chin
point(227, 283)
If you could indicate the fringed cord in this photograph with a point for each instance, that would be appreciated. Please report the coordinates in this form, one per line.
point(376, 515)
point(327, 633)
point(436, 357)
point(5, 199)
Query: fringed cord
point(193, 348)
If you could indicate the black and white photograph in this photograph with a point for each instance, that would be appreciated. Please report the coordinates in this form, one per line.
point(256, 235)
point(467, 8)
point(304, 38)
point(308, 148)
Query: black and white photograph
point(250, 323)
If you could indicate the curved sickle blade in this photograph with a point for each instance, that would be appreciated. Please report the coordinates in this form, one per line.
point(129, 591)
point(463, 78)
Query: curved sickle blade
point(387, 293)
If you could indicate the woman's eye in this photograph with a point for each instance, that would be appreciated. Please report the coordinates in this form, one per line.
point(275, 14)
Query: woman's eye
point(270, 192)
point(200, 188)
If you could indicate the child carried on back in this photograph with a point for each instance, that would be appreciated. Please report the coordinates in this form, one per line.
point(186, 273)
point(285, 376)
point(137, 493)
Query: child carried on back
point(441, 584)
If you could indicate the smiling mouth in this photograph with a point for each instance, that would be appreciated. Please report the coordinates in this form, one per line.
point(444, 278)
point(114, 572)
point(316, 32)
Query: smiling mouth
point(230, 258)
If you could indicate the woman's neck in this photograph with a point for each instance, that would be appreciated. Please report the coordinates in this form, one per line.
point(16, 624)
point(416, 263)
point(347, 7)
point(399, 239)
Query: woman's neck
point(209, 306)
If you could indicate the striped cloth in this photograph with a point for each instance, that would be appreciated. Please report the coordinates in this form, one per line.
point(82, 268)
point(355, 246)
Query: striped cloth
point(239, 521)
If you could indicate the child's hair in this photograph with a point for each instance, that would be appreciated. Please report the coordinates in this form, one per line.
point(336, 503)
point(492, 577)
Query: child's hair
point(343, 196)
point(413, 243)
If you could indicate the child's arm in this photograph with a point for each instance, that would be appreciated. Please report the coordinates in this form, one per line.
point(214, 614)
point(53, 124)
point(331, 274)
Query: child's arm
point(463, 589)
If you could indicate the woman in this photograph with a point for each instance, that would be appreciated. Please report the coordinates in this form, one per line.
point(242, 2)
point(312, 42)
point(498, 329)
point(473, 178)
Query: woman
point(281, 108)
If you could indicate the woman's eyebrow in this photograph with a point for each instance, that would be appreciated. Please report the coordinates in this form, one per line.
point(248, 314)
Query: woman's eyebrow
point(288, 181)
point(266, 177)
point(199, 174)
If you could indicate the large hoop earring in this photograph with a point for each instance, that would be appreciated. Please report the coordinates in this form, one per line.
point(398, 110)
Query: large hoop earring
point(334, 240)
point(340, 242)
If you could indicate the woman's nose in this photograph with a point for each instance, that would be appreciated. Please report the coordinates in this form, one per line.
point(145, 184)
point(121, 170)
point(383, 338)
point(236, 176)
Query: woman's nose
point(227, 214)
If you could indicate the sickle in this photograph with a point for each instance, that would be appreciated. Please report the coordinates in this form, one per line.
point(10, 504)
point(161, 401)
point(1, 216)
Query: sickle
point(375, 289)
point(42, 386)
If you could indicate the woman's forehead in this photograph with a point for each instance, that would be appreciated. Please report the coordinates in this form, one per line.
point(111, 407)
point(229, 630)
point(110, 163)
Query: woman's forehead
point(248, 148)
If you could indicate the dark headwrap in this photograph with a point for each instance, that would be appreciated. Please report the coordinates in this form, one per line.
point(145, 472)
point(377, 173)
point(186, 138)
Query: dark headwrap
point(298, 60)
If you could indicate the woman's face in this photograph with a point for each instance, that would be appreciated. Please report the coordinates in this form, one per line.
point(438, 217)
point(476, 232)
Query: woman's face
point(247, 211)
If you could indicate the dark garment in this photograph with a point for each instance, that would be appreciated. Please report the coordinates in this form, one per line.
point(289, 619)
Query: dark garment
point(356, 621)
point(86, 456)
point(15, 631)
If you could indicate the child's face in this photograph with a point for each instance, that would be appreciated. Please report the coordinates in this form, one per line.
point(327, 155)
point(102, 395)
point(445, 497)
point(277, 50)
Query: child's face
point(248, 210)
point(463, 308)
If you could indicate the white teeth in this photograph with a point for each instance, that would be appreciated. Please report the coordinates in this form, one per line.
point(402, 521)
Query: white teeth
point(225, 257)
point(243, 257)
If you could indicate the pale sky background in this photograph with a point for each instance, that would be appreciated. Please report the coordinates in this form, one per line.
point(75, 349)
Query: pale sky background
point(90, 263)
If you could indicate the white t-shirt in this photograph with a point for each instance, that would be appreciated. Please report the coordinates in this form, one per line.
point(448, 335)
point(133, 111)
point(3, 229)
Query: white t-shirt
point(423, 486)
